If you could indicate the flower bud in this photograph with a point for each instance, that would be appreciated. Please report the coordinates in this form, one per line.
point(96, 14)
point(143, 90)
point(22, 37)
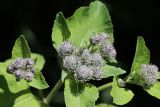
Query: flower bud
point(97, 59)
point(28, 76)
point(65, 49)
point(22, 68)
point(107, 50)
point(86, 57)
point(11, 68)
point(19, 74)
point(20, 62)
point(149, 73)
point(83, 73)
point(121, 82)
point(30, 62)
point(97, 72)
point(98, 38)
point(70, 63)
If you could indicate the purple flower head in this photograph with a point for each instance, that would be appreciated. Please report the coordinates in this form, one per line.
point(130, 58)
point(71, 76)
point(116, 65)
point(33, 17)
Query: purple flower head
point(83, 73)
point(149, 73)
point(19, 74)
point(99, 38)
point(86, 57)
point(20, 67)
point(28, 76)
point(97, 72)
point(97, 59)
point(65, 49)
point(30, 62)
point(11, 68)
point(70, 63)
point(107, 50)
point(20, 62)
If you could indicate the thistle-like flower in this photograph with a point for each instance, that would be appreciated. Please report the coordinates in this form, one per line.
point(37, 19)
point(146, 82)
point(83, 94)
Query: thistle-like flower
point(22, 68)
point(86, 57)
point(98, 38)
point(97, 73)
point(97, 59)
point(149, 73)
point(70, 63)
point(19, 74)
point(83, 73)
point(28, 76)
point(108, 50)
point(66, 49)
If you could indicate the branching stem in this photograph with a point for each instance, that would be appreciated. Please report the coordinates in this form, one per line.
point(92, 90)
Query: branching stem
point(53, 92)
point(105, 86)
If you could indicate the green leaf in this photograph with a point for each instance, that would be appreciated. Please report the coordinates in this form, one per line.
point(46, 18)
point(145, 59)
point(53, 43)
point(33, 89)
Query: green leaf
point(154, 90)
point(142, 55)
point(105, 105)
point(112, 71)
point(120, 96)
point(63, 75)
point(15, 93)
point(60, 30)
point(84, 22)
point(80, 94)
point(38, 81)
point(28, 100)
point(21, 48)
point(40, 61)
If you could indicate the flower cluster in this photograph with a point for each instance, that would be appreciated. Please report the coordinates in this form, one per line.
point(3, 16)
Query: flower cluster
point(98, 38)
point(84, 64)
point(106, 48)
point(149, 73)
point(22, 68)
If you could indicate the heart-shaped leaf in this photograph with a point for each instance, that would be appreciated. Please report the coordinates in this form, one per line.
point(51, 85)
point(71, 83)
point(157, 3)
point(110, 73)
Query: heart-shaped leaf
point(120, 95)
point(154, 90)
point(84, 22)
point(112, 71)
point(80, 94)
point(21, 48)
point(13, 93)
point(38, 81)
point(60, 30)
point(142, 55)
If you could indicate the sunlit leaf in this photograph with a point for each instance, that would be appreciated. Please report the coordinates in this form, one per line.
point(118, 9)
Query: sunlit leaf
point(38, 81)
point(142, 56)
point(80, 94)
point(15, 93)
point(84, 22)
point(120, 95)
point(154, 90)
point(60, 30)
point(109, 70)
point(21, 48)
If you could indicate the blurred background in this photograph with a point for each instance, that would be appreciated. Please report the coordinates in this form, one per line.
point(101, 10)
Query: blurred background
point(35, 19)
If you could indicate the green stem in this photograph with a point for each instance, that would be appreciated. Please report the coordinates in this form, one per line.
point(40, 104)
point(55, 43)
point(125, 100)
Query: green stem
point(102, 87)
point(53, 92)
